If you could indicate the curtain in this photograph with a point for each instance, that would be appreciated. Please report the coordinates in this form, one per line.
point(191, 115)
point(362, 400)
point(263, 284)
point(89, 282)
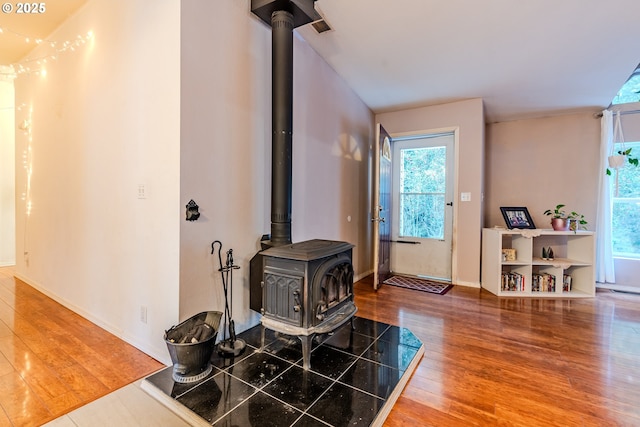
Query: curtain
point(604, 248)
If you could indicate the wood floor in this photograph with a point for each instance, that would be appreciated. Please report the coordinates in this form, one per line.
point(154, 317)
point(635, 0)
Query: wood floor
point(488, 361)
point(493, 361)
point(52, 360)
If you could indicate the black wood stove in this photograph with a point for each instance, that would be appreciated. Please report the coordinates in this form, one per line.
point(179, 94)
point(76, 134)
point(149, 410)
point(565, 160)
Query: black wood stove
point(307, 289)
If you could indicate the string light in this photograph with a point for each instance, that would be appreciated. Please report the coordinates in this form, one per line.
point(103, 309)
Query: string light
point(36, 65)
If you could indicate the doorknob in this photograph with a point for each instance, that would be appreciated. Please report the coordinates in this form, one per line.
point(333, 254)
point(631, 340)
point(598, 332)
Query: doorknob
point(450, 204)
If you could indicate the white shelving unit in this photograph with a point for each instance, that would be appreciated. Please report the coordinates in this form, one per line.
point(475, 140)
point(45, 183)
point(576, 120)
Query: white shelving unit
point(574, 254)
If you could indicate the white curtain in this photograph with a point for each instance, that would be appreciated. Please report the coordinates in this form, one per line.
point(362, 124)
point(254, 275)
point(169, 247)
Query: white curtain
point(604, 248)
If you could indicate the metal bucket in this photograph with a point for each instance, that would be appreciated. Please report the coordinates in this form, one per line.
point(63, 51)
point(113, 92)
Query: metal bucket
point(191, 360)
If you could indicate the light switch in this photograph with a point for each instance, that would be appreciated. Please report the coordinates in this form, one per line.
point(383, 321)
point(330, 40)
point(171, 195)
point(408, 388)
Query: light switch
point(465, 197)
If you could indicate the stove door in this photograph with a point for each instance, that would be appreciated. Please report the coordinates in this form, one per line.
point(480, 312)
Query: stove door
point(283, 297)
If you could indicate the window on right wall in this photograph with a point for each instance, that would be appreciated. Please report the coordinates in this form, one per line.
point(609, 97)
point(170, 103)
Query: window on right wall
point(625, 215)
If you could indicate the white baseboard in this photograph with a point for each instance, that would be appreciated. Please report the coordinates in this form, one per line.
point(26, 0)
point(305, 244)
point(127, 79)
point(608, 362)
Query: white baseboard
point(619, 288)
point(468, 284)
point(362, 275)
point(161, 355)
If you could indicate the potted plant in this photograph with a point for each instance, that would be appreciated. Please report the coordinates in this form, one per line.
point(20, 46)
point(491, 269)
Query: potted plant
point(623, 157)
point(559, 220)
point(576, 221)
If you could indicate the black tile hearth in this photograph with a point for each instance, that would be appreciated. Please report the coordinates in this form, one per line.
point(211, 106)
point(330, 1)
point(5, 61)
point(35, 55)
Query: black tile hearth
point(355, 377)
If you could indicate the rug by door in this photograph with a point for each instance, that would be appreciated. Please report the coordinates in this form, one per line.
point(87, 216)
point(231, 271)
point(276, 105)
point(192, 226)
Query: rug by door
point(419, 284)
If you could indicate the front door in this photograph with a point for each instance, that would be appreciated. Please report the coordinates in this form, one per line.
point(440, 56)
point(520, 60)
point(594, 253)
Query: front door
point(423, 175)
point(381, 207)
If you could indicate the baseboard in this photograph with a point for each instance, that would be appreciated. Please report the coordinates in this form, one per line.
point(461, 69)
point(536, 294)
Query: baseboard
point(468, 284)
point(160, 355)
point(362, 276)
point(619, 288)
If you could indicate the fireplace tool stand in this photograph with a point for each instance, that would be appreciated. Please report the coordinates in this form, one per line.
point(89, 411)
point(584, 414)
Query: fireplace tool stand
point(232, 346)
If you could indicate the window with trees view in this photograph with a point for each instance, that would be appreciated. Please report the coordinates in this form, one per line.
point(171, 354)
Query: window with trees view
point(422, 192)
point(626, 208)
point(625, 216)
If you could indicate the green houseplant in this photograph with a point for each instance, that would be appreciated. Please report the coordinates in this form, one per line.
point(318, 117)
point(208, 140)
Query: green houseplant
point(560, 221)
point(618, 160)
point(577, 221)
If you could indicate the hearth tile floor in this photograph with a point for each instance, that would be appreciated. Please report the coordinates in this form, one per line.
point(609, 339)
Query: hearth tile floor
point(354, 379)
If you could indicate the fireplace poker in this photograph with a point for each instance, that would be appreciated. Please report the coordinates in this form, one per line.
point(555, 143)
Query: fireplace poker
point(231, 346)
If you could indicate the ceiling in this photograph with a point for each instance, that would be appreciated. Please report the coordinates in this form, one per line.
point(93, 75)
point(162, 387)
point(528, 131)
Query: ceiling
point(18, 26)
point(523, 58)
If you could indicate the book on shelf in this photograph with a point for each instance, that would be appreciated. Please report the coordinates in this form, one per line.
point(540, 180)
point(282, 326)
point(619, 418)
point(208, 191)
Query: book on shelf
point(566, 283)
point(512, 281)
point(543, 282)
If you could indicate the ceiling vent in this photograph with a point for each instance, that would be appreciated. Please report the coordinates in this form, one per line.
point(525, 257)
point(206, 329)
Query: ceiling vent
point(321, 26)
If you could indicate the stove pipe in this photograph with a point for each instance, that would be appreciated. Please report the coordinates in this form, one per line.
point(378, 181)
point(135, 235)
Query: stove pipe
point(282, 16)
point(282, 127)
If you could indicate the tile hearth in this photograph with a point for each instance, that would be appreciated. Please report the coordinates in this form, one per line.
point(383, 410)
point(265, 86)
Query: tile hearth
point(355, 378)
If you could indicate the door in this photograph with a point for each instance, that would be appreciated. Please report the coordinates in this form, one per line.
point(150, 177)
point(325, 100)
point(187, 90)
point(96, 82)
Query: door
point(381, 206)
point(423, 176)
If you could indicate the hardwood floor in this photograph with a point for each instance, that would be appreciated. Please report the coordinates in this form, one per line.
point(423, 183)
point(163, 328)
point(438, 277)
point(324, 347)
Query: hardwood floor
point(52, 360)
point(488, 361)
point(493, 361)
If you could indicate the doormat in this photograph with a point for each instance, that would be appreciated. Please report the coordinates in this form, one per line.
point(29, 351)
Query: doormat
point(419, 284)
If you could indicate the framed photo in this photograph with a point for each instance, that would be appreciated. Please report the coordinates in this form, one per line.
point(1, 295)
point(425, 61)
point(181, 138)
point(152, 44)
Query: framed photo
point(517, 217)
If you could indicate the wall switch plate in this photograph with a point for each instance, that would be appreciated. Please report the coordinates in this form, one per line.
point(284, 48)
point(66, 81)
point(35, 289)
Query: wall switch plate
point(465, 197)
point(143, 313)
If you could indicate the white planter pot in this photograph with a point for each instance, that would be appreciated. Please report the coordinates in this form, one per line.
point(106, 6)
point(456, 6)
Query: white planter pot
point(618, 161)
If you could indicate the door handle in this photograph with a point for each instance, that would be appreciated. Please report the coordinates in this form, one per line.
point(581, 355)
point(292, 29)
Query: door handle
point(450, 204)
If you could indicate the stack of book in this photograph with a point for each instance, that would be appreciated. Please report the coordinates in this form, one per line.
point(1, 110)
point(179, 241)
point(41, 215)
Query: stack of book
point(512, 282)
point(566, 283)
point(543, 282)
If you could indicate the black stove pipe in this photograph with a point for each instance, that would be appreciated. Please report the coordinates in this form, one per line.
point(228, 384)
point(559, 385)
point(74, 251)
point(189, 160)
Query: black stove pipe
point(282, 126)
point(282, 16)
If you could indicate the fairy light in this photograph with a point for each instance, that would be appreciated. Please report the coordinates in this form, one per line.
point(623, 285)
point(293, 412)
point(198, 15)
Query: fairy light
point(36, 65)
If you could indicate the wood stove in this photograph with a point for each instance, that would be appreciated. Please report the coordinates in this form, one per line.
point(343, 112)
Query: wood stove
point(307, 289)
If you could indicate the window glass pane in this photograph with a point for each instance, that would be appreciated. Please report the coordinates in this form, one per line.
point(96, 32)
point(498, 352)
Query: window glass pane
point(423, 170)
point(626, 207)
point(422, 192)
point(422, 215)
point(630, 91)
point(626, 228)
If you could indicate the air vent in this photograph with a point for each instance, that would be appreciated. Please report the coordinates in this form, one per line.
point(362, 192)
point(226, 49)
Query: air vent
point(321, 26)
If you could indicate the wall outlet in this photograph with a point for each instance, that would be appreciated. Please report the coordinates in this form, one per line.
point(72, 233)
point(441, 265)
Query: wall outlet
point(142, 191)
point(143, 313)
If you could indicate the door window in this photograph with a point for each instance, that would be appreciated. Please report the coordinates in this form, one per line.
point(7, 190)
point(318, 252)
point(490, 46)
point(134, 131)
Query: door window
point(422, 192)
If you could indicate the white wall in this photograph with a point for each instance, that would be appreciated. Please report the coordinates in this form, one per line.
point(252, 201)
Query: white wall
point(540, 163)
point(468, 117)
point(105, 119)
point(226, 157)
point(7, 170)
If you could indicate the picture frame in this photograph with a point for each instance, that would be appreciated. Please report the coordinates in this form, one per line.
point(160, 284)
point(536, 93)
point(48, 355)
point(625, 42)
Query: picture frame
point(517, 217)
